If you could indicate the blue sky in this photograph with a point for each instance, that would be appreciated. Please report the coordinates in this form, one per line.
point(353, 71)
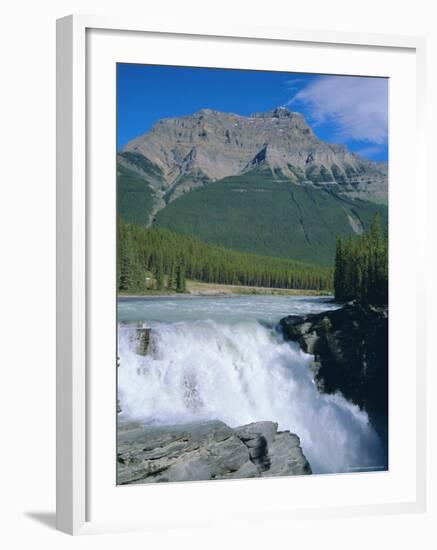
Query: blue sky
point(340, 109)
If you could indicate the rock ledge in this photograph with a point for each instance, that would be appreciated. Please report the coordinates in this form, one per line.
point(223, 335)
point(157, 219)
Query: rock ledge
point(204, 451)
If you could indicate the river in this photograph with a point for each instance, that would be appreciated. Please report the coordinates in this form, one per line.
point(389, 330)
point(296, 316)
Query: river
point(224, 358)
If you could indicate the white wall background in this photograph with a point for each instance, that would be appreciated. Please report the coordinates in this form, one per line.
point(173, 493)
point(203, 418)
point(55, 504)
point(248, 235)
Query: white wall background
point(27, 270)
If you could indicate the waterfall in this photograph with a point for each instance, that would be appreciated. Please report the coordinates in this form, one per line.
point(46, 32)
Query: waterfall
point(239, 373)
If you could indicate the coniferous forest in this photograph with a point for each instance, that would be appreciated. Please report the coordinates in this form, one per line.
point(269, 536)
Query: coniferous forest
point(361, 267)
point(153, 258)
point(158, 259)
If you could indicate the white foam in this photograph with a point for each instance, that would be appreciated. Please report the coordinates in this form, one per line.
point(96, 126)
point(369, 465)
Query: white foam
point(241, 373)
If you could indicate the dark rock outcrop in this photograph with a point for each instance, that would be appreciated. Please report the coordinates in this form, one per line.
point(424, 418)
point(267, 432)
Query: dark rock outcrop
point(350, 348)
point(204, 451)
point(143, 340)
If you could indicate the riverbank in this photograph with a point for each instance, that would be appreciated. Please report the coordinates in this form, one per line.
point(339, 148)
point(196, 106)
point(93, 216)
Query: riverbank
point(195, 288)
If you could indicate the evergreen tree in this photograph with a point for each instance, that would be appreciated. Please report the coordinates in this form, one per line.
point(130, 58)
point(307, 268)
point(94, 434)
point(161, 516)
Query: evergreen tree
point(171, 279)
point(361, 267)
point(180, 278)
point(338, 270)
point(125, 267)
point(159, 274)
point(172, 258)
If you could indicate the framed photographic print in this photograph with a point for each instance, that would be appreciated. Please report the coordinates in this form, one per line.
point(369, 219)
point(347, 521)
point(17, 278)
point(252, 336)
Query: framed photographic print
point(232, 276)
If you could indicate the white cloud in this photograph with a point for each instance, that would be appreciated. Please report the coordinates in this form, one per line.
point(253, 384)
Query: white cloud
point(294, 84)
point(357, 106)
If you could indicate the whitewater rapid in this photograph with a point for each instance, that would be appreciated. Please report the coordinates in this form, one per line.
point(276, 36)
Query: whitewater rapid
point(241, 372)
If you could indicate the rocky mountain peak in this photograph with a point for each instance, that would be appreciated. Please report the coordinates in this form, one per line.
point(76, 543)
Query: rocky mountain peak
point(210, 145)
point(282, 112)
point(279, 112)
point(209, 113)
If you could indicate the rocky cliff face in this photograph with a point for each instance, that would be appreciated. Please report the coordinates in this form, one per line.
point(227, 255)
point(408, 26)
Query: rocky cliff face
point(204, 451)
point(180, 154)
point(350, 348)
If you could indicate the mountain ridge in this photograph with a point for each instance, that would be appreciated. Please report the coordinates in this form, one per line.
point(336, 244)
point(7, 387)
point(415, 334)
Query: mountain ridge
point(210, 145)
point(264, 184)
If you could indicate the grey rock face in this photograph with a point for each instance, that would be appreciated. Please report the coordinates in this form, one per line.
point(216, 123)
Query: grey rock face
point(143, 340)
point(209, 145)
point(204, 451)
point(350, 348)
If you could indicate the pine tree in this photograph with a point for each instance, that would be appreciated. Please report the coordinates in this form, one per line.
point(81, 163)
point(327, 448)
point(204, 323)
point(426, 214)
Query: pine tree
point(159, 274)
point(361, 267)
point(171, 278)
point(125, 271)
point(338, 271)
point(180, 278)
point(172, 258)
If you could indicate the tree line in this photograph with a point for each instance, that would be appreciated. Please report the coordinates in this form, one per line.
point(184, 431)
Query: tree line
point(170, 258)
point(361, 267)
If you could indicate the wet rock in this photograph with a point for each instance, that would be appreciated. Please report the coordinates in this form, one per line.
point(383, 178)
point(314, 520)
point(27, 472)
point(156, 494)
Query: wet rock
point(350, 348)
point(144, 340)
point(204, 451)
point(258, 438)
point(286, 455)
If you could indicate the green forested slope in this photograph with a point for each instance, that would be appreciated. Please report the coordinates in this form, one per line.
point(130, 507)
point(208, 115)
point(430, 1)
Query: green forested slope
point(259, 214)
point(171, 257)
point(134, 196)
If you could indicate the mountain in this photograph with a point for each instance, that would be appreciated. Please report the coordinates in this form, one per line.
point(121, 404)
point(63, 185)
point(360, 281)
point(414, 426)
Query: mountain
point(263, 183)
point(186, 152)
point(260, 214)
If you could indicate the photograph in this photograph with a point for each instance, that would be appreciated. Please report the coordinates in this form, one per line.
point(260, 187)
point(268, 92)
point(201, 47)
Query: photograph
point(252, 274)
point(221, 222)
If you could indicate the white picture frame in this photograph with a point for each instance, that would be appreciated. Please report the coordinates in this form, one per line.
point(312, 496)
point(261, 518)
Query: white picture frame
point(76, 310)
